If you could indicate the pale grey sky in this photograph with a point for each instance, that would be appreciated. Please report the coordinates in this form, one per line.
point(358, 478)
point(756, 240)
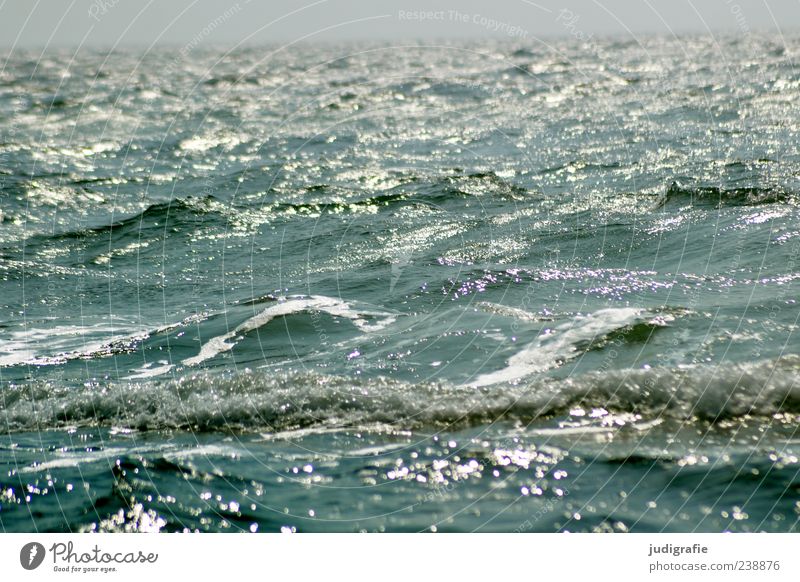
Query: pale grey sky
point(36, 23)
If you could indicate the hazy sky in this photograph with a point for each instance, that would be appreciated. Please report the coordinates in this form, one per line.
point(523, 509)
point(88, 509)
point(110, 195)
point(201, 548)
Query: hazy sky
point(36, 23)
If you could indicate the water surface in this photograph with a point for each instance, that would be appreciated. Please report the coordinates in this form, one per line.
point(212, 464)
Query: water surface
point(481, 286)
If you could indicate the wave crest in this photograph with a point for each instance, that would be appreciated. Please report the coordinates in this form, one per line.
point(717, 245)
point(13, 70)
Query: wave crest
point(266, 402)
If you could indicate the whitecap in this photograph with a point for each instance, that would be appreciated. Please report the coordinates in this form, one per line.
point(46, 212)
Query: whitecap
point(291, 306)
point(561, 343)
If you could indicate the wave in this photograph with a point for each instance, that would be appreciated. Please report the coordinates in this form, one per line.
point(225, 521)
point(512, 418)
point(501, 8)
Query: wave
point(272, 403)
point(177, 211)
point(289, 306)
point(143, 223)
point(161, 218)
point(324, 198)
point(567, 341)
point(52, 346)
point(67, 342)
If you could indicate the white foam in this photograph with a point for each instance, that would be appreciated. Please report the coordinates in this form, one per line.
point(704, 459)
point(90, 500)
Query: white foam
point(513, 312)
point(559, 344)
point(290, 306)
point(150, 371)
point(294, 405)
point(62, 343)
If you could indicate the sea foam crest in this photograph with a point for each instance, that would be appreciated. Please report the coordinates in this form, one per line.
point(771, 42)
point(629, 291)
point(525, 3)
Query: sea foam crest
point(290, 306)
point(268, 402)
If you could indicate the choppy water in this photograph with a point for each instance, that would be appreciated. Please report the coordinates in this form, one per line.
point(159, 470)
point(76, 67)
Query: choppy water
point(484, 286)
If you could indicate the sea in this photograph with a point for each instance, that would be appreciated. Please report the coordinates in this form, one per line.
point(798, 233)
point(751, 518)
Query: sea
point(490, 285)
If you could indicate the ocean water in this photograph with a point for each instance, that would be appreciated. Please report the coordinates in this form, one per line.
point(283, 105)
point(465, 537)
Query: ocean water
point(476, 286)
